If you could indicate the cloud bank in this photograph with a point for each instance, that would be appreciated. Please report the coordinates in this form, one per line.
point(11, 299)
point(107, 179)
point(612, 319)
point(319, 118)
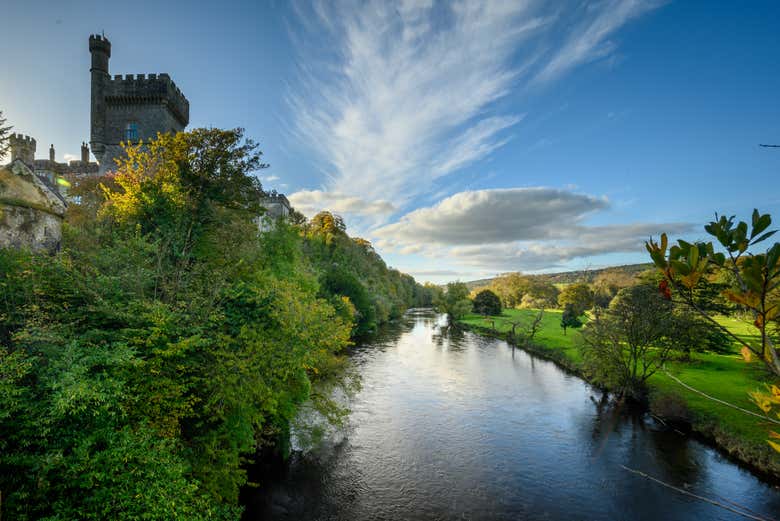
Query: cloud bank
point(516, 229)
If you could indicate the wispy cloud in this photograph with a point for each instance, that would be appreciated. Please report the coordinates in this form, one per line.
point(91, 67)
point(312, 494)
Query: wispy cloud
point(402, 93)
point(406, 97)
point(588, 39)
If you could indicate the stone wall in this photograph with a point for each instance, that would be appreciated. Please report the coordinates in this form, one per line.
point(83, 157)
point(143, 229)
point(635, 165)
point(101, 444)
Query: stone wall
point(30, 213)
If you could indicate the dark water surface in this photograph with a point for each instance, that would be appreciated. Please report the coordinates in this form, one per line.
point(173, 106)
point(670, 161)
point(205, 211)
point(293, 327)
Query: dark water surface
point(455, 426)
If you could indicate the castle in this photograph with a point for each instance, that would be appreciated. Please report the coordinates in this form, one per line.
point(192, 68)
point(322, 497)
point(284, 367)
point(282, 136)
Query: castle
point(124, 109)
point(130, 108)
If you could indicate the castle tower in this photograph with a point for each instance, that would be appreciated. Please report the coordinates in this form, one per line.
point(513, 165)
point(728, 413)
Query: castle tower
point(51, 153)
point(129, 109)
point(84, 153)
point(23, 148)
point(100, 49)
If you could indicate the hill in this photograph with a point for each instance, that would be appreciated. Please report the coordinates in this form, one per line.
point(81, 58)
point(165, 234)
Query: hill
point(567, 277)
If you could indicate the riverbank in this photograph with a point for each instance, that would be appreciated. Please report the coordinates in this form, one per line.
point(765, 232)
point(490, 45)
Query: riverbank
point(726, 377)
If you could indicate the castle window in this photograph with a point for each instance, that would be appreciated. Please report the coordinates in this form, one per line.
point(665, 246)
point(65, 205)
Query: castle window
point(131, 132)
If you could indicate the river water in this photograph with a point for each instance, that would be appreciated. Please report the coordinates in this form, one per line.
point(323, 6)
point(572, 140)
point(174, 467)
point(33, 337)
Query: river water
point(452, 425)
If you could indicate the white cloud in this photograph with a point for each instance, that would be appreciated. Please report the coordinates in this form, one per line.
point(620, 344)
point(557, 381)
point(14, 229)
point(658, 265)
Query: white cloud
point(515, 229)
point(490, 216)
point(269, 178)
point(309, 202)
point(70, 157)
point(403, 93)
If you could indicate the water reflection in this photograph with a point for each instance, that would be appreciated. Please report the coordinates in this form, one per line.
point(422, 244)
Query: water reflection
point(450, 425)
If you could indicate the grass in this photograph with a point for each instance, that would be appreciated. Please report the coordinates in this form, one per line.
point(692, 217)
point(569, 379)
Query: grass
point(724, 376)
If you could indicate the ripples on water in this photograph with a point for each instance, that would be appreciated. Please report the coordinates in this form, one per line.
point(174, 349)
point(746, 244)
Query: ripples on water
point(451, 425)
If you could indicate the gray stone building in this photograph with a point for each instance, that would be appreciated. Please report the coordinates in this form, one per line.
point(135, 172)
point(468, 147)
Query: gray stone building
point(130, 108)
point(49, 171)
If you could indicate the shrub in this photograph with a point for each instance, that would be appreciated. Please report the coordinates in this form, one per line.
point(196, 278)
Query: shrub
point(487, 303)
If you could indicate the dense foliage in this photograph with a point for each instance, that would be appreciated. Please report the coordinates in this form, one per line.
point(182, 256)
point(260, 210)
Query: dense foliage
point(142, 366)
point(629, 341)
point(579, 295)
point(570, 318)
point(752, 283)
point(516, 290)
point(487, 303)
point(351, 269)
point(454, 301)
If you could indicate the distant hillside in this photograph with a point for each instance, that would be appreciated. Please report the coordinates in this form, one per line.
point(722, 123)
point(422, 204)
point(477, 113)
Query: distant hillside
point(567, 277)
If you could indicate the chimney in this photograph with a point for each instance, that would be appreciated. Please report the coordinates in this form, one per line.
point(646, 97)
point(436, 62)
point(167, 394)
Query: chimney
point(51, 153)
point(84, 153)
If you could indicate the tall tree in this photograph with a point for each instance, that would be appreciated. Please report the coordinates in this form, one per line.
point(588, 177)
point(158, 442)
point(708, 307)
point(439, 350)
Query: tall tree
point(626, 344)
point(5, 132)
point(578, 295)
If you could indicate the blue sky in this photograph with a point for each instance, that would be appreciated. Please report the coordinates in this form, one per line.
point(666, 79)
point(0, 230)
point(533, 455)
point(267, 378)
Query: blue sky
point(464, 139)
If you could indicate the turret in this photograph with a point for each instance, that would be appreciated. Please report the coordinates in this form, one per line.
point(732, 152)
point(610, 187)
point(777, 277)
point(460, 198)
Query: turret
point(84, 153)
point(51, 153)
point(23, 148)
point(100, 48)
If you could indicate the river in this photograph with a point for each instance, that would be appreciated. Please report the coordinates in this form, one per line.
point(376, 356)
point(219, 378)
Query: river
point(452, 425)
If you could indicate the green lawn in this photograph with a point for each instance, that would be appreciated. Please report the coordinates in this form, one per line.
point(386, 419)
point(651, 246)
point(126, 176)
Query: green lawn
point(724, 376)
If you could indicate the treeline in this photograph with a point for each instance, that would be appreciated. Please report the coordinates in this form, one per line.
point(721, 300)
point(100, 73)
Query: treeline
point(143, 366)
point(351, 268)
point(587, 290)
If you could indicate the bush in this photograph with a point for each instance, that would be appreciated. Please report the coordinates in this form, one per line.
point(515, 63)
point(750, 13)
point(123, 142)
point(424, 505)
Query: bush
point(487, 303)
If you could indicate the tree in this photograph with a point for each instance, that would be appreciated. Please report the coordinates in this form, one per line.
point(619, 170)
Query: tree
point(578, 295)
point(168, 339)
point(755, 285)
point(540, 294)
point(510, 288)
point(756, 276)
point(569, 318)
point(526, 336)
point(487, 303)
point(626, 344)
point(5, 132)
point(455, 300)
point(607, 284)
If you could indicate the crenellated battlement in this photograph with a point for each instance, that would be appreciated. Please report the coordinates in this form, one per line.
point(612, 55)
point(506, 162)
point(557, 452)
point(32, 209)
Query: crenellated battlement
point(129, 108)
point(22, 148)
point(21, 139)
point(134, 89)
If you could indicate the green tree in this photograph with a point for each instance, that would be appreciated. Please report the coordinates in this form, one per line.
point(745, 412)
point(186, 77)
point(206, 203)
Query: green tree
point(5, 132)
point(569, 318)
point(510, 288)
point(143, 365)
point(756, 276)
point(487, 303)
point(540, 294)
point(627, 343)
point(755, 284)
point(578, 295)
point(455, 300)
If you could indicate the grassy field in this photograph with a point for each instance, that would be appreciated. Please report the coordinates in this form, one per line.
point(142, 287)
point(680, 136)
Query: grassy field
point(724, 376)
